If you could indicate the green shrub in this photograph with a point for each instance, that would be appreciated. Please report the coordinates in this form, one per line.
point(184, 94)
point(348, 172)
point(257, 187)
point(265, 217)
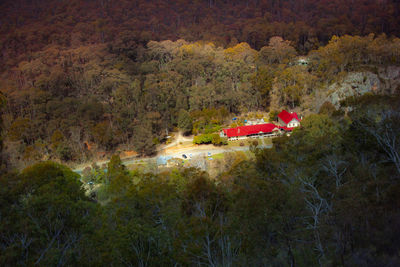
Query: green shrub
point(203, 139)
point(218, 140)
point(214, 139)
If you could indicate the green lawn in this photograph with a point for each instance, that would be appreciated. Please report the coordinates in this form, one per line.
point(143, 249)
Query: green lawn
point(218, 156)
point(236, 143)
point(248, 154)
point(247, 142)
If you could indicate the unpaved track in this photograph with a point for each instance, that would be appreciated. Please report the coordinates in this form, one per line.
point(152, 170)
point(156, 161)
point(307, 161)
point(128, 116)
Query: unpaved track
point(179, 139)
point(175, 150)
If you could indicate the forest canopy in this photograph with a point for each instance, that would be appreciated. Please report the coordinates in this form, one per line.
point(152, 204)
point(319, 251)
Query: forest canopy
point(30, 26)
point(327, 195)
point(112, 74)
point(83, 80)
point(62, 99)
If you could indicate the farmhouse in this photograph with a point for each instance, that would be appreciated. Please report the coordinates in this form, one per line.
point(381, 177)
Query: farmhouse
point(289, 120)
point(253, 131)
point(286, 120)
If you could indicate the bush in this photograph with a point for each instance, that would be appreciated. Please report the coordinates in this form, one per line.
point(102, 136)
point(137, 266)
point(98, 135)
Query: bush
point(273, 115)
point(185, 122)
point(212, 128)
point(327, 108)
point(203, 139)
point(214, 139)
point(218, 140)
point(64, 152)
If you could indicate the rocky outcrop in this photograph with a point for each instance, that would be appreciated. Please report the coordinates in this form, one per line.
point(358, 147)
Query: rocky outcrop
point(383, 81)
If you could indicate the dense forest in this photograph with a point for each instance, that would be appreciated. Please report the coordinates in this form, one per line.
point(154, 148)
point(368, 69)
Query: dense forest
point(63, 99)
point(326, 196)
point(86, 79)
point(28, 26)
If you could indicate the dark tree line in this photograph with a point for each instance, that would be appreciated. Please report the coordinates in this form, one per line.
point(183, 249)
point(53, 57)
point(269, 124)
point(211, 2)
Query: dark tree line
point(328, 195)
point(29, 26)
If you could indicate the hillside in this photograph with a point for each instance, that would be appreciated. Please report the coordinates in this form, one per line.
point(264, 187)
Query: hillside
point(135, 94)
point(64, 99)
point(30, 26)
point(328, 195)
point(115, 75)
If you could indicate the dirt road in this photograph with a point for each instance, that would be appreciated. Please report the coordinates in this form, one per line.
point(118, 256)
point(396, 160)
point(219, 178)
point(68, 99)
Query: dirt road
point(179, 147)
point(180, 139)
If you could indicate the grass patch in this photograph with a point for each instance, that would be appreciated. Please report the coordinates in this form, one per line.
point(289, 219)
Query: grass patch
point(249, 155)
point(236, 143)
point(218, 156)
point(247, 142)
point(266, 141)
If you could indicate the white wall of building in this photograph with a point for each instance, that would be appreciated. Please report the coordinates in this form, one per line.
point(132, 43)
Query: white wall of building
point(293, 123)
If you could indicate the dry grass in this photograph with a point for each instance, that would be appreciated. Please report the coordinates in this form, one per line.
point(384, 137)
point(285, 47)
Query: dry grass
point(247, 142)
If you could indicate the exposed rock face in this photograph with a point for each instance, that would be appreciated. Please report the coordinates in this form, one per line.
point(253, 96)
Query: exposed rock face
point(391, 77)
point(385, 81)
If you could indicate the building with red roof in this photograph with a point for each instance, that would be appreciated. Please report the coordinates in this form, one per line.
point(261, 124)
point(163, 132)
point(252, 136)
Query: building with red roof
point(259, 130)
point(289, 120)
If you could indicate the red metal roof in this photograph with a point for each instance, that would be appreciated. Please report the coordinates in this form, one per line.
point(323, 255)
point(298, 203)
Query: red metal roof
point(288, 129)
point(286, 117)
point(251, 129)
